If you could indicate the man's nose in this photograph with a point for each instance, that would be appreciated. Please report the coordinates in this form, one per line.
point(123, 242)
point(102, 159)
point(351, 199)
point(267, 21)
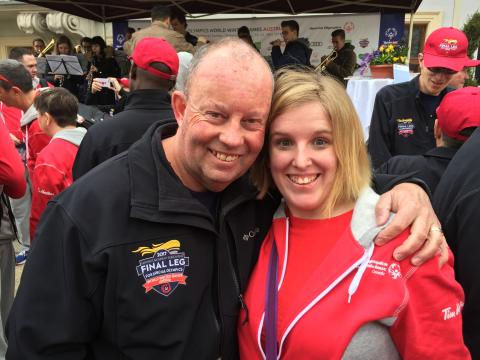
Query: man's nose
point(232, 133)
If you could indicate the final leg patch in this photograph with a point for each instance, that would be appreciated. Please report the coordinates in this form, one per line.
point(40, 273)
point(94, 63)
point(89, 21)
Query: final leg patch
point(163, 271)
point(405, 127)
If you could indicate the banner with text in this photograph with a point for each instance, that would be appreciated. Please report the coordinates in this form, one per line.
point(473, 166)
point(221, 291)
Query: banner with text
point(361, 30)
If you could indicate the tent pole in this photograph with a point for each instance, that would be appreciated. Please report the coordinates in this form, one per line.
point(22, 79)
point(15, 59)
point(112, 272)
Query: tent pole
point(410, 37)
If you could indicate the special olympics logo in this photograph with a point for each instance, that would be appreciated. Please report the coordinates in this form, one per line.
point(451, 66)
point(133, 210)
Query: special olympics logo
point(120, 38)
point(391, 33)
point(349, 27)
point(394, 271)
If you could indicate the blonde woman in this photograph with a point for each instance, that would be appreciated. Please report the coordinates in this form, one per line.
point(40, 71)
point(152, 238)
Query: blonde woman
point(321, 289)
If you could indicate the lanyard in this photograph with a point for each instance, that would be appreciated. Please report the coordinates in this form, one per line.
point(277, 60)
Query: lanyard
point(271, 305)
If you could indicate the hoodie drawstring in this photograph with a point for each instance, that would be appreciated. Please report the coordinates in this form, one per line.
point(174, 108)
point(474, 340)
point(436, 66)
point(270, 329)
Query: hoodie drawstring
point(361, 270)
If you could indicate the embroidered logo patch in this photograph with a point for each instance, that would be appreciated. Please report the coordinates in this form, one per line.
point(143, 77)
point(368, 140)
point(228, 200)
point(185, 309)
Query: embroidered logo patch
point(405, 127)
point(382, 268)
point(448, 45)
point(163, 271)
point(394, 271)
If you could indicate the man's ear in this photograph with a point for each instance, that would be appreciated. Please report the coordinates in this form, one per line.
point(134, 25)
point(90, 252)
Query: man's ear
point(133, 71)
point(16, 90)
point(179, 106)
point(420, 59)
point(48, 119)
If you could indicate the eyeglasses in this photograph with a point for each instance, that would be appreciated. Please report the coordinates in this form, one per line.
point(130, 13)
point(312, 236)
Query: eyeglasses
point(442, 70)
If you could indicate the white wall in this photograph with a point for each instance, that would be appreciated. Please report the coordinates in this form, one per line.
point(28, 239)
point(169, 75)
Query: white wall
point(455, 12)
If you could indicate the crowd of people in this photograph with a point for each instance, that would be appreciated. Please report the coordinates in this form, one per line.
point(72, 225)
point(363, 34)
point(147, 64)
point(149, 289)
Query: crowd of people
point(224, 210)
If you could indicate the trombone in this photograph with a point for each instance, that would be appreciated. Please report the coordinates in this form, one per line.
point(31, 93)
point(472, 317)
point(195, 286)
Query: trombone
point(327, 60)
point(49, 47)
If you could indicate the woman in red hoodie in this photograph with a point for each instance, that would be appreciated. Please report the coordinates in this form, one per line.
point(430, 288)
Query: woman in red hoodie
point(321, 288)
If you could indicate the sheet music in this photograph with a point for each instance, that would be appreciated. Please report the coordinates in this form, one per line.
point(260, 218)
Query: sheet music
point(64, 65)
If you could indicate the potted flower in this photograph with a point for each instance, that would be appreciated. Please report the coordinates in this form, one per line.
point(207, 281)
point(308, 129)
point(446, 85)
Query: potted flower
point(381, 61)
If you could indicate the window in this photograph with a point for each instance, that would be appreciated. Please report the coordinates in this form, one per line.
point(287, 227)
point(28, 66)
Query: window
point(418, 39)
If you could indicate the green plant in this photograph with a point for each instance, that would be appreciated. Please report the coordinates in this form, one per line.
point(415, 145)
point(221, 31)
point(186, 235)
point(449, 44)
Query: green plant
point(386, 54)
point(390, 54)
point(472, 31)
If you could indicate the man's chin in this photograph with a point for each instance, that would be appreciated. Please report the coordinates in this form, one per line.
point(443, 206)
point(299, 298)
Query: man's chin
point(219, 184)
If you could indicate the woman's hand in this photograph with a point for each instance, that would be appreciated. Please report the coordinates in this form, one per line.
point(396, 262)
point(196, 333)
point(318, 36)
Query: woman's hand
point(96, 86)
point(114, 85)
point(413, 208)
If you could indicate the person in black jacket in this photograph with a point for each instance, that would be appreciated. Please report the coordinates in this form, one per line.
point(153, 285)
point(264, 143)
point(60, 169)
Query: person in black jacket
point(153, 74)
point(101, 67)
point(344, 64)
point(297, 50)
point(457, 203)
point(404, 114)
point(148, 254)
point(457, 116)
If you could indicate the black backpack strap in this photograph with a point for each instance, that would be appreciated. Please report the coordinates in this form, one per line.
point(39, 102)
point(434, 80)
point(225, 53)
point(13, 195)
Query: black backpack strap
point(5, 204)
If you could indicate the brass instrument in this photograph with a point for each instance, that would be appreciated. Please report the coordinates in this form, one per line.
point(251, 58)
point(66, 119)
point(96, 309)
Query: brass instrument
point(327, 60)
point(49, 47)
point(92, 70)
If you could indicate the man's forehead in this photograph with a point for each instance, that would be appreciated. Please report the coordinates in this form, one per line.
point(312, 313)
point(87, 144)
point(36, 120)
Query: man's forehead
point(29, 60)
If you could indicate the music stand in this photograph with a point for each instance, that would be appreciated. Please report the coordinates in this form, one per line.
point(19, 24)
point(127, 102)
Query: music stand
point(42, 66)
point(64, 65)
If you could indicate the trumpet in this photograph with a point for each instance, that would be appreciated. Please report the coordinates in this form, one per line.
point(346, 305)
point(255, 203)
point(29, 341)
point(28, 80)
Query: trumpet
point(49, 47)
point(327, 60)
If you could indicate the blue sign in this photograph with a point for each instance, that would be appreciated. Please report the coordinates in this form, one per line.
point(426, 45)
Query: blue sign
point(119, 29)
point(391, 28)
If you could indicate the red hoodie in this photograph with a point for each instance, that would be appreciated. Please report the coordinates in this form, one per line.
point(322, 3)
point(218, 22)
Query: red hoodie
point(53, 171)
point(35, 138)
point(358, 302)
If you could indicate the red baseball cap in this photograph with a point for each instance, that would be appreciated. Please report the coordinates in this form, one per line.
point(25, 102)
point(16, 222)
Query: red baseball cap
point(472, 63)
point(150, 50)
point(447, 48)
point(459, 109)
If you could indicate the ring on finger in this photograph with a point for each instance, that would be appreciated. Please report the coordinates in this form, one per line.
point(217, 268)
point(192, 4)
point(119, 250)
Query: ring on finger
point(436, 228)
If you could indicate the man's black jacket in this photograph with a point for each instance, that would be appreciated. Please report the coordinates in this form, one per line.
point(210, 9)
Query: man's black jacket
point(457, 204)
point(112, 136)
point(400, 125)
point(428, 167)
point(296, 52)
point(344, 64)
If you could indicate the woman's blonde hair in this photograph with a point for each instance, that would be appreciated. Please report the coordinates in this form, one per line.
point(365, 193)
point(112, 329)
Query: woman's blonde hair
point(294, 88)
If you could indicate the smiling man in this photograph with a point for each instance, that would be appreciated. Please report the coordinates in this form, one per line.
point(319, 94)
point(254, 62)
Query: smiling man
point(148, 254)
point(404, 114)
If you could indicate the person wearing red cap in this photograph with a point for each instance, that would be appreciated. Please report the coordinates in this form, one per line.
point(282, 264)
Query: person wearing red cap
point(457, 117)
point(404, 114)
point(458, 80)
point(153, 73)
point(457, 203)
